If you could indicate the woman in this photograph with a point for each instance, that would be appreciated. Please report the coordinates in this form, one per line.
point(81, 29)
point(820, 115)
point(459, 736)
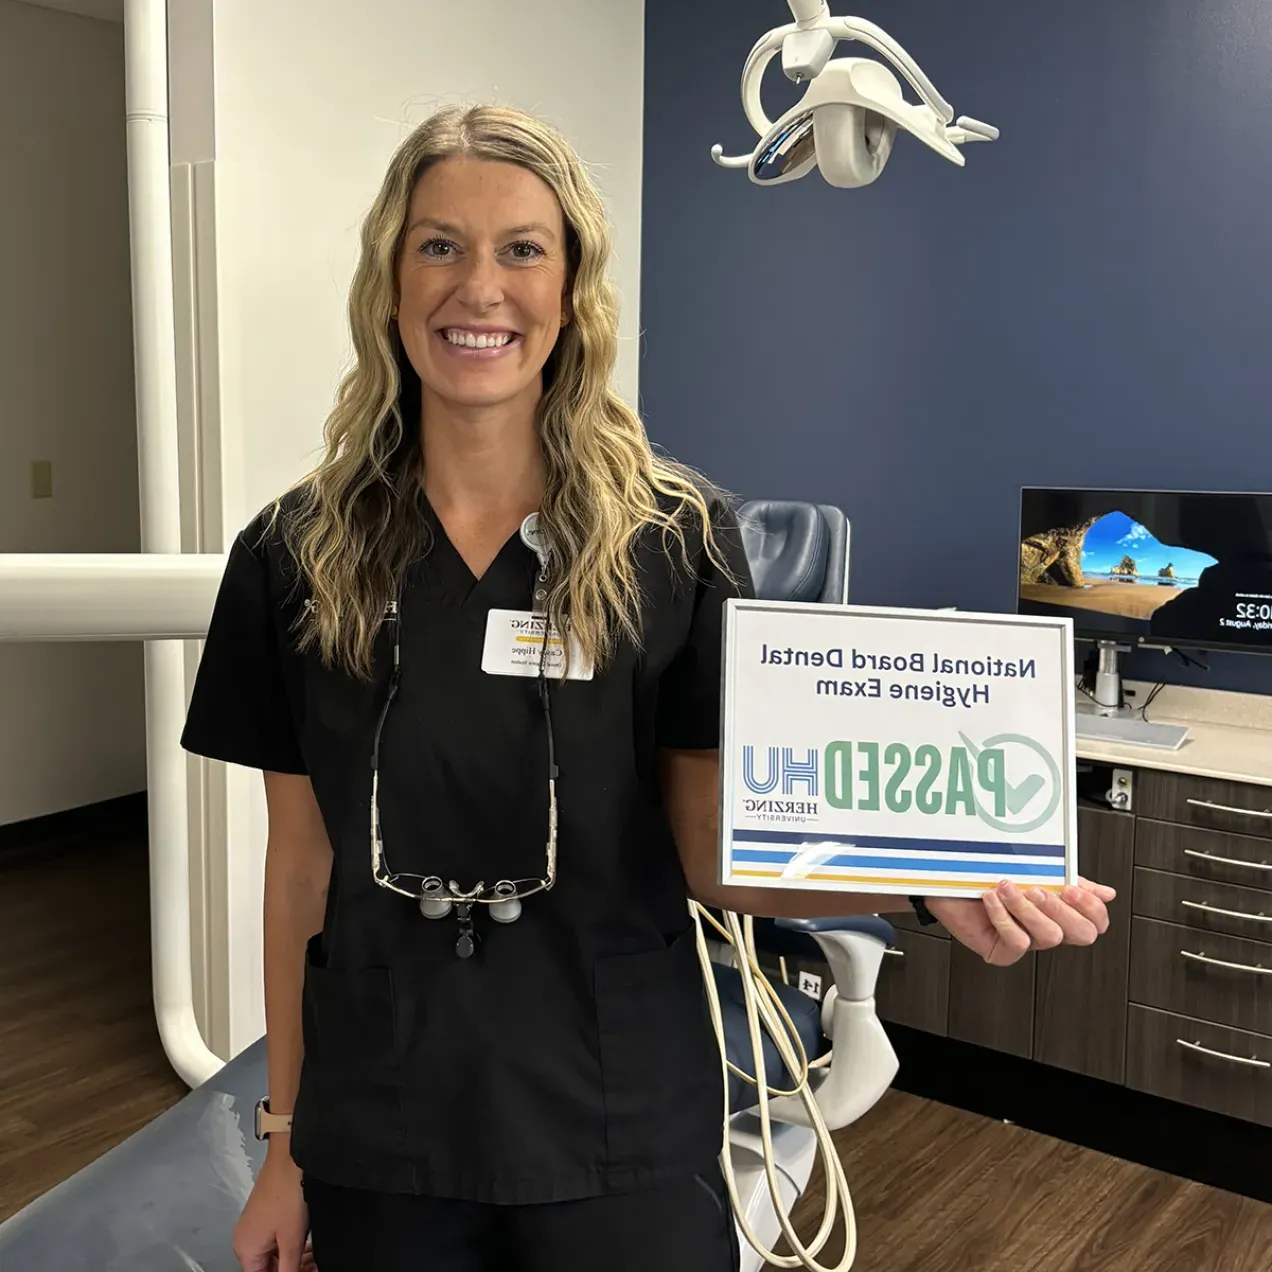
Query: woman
point(474, 1087)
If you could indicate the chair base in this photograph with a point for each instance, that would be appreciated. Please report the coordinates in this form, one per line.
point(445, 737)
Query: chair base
point(794, 1153)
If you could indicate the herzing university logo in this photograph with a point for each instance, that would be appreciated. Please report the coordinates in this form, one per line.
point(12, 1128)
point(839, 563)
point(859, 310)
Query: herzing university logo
point(791, 774)
point(1009, 781)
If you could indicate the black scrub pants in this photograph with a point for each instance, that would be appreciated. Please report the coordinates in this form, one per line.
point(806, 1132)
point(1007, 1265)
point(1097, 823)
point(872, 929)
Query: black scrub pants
point(682, 1226)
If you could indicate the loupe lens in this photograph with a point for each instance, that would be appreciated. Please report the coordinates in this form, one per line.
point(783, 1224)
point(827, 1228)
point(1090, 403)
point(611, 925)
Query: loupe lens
point(508, 911)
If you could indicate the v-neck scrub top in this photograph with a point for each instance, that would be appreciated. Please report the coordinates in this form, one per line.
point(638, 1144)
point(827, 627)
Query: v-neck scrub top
point(573, 1054)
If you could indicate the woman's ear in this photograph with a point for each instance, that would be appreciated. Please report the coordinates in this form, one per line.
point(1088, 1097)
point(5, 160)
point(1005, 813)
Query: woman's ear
point(567, 310)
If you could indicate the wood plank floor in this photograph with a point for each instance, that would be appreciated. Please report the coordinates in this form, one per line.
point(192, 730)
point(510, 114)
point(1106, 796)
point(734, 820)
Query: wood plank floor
point(936, 1189)
point(81, 1065)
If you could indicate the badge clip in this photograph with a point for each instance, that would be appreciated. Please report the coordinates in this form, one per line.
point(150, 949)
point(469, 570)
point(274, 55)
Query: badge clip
point(533, 538)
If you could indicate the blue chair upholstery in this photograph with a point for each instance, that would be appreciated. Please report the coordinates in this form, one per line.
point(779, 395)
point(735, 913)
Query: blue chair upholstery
point(790, 938)
point(796, 551)
point(870, 924)
point(805, 1015)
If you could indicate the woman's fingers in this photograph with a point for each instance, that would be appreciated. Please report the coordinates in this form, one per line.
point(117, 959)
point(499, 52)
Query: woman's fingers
point(1013, 940)
point(1090, 905)
point(1034, 918)
point(1078, 927)
point(1030, 910)
point(1101, 890)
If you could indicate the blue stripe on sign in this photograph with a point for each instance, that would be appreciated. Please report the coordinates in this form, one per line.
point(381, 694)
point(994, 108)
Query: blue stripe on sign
point(802, 840)
point(948, 865)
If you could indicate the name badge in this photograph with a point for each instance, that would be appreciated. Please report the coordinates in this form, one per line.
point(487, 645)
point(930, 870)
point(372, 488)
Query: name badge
point(514, 646)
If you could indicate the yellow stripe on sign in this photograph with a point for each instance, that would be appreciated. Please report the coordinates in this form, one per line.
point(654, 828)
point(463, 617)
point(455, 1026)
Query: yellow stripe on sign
point(536, 640)
point(895, 880)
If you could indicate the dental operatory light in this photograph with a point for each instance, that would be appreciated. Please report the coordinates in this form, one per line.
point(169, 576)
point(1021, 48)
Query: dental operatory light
point(848, 117)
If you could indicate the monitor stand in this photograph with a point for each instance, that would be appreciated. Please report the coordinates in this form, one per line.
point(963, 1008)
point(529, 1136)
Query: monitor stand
point(1108, 678)
point(1106, 720)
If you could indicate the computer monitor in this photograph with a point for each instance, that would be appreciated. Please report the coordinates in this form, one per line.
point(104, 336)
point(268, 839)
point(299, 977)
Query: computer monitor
point(1160, 568)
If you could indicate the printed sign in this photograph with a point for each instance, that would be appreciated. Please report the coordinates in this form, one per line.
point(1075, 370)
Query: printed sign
point(898, 751)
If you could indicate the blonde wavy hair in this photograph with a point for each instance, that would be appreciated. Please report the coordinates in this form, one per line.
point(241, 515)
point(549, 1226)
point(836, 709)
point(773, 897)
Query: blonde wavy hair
point(356, 522)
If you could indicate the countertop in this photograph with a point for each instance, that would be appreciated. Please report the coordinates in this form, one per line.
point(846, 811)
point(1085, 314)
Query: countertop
point(1230, 735)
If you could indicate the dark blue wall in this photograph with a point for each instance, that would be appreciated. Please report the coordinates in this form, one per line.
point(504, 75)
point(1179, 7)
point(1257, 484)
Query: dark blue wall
point(1086, 303)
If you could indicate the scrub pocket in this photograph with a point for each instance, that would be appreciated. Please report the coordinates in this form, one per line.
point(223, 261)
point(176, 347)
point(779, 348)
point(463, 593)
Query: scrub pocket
point(349, 1106)
point(659, 1059)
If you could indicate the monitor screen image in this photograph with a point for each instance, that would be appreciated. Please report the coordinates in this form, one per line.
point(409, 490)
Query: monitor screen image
point(1176, 568)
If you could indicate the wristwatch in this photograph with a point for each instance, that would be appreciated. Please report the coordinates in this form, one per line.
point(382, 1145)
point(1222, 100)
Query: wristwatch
point(922, 913)
point(268, 1123)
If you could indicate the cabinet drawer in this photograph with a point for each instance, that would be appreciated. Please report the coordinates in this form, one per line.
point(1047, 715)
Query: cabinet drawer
point(914, 982)
point(1232, 1075)
point(1204, 854)
point(1204, 802)
point(1219, 978)
point(1200, 903)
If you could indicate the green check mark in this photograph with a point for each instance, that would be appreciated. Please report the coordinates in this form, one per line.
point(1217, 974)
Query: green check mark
point(1017, 796)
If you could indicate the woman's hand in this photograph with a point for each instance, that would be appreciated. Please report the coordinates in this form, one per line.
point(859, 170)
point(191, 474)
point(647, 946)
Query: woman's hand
point(1005, 924)
point(271, 1234)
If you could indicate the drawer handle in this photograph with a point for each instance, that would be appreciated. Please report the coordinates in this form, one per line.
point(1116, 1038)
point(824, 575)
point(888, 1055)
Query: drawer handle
point(1226, 861)
point(1223, 808)
point(1223, 1055)
point(894, 952)
point(1227, 914)
point(1235, 967)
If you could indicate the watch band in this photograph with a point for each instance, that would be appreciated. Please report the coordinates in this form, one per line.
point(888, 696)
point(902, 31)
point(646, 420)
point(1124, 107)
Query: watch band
point(922, 913)
point(267, 1123)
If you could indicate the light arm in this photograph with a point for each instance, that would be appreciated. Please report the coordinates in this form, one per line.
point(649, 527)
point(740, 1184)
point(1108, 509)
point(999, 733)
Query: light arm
point(879, 40)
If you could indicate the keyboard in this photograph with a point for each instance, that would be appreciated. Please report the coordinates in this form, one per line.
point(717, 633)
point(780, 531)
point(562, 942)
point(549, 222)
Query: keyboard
point(1130, 731)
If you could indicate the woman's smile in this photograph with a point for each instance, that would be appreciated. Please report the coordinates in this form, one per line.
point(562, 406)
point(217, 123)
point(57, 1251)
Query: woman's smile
point(478, 344)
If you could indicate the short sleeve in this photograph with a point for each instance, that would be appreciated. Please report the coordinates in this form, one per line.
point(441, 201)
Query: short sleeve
point(239, 711)
point(689, 690)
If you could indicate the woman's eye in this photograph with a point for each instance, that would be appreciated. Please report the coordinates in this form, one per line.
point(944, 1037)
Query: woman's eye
point(526, 251)
point(438, 249)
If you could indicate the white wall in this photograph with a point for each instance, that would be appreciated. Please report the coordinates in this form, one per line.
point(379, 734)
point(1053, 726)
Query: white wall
point(301, 107)
point(72, 728)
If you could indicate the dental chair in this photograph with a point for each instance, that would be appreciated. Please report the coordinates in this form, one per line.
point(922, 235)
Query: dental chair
point(799, 552)
point(167, 1198)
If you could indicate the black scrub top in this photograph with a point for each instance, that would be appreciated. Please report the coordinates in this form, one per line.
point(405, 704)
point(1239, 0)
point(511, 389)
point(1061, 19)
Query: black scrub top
point(573, 1054)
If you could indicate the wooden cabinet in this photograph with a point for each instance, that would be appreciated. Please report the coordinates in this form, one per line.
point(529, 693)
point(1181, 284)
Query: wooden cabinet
point(1204, 802)
point(908, 923)
point(914, 982)
point(1080, 993)
point(1223, 979)
point(992, 1006)
point(1205, 1065)
point(1198, 903)
point(1203, 854)
point(1175, 999)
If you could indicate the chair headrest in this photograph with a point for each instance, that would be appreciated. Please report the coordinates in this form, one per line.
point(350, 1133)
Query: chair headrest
point(787, 546)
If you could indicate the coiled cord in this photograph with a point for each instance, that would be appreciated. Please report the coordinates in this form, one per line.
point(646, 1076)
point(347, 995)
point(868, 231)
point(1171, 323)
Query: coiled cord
point(763, 1006)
